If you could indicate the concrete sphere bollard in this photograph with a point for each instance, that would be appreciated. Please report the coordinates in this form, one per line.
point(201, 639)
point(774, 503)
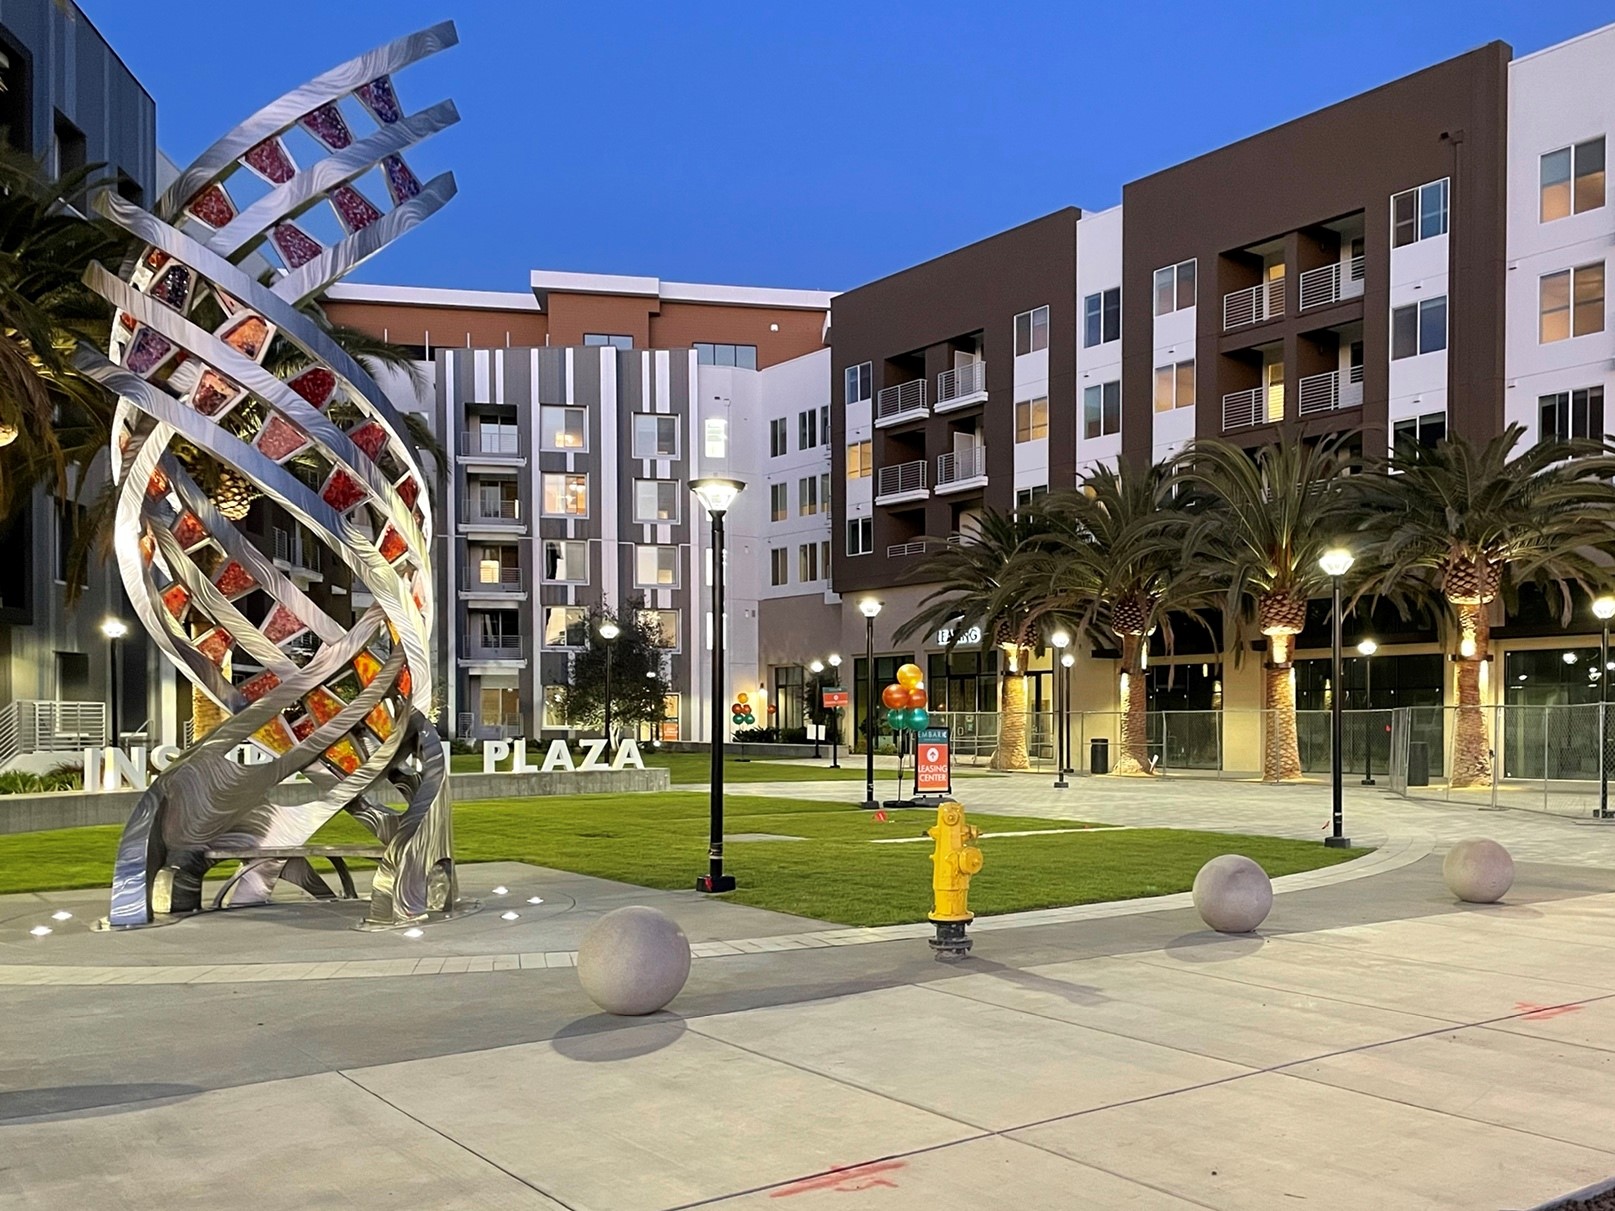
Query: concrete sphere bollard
point(1232, 894)
point(1478, 871)
point(633, 961)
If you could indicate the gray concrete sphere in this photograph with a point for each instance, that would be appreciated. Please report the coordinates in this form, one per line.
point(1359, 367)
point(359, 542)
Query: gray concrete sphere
point(1478, 871)
point(633, 961)
point(1232, 894)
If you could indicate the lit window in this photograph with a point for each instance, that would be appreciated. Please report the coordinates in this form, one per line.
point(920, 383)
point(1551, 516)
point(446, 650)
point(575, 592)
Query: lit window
point(1174, 386)
point(1419, 214)
point(779, 566)
point(1102, 409)
point(1032, 331)
point(563, 428)
point(1031, 419)
point(656, 435)
point(859, 464)
point(1419, 328)
point(1174, 288)
point(1572, 303)
point(566, 627)
point(566, 495)
point(1572, 180)
point(665, 624)
point(656, 567)
point(555, 706)
point(807, 496)
point(807, 565)
point(779, 502)
point(495, 437)
point(656, 500)
point(717, 438)
point(566, 561)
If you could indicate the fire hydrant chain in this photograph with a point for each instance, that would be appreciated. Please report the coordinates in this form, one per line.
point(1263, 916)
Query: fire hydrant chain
point(954, 859)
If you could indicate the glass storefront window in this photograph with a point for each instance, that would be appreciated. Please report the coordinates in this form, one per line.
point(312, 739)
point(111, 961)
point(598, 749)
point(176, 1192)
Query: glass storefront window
point(1549, 720)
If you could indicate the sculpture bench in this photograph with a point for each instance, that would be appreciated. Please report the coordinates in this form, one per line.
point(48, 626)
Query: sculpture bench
point(296, 869)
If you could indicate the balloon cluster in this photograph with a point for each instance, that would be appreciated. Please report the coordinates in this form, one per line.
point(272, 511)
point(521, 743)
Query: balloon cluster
point(740, 712)
point(905, 700)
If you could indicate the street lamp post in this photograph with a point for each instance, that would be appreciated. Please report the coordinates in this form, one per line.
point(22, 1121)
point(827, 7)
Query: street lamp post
point(869, 608)
point(1061, 640)
point(1604, 609)
point(817, 704)
point(608, 632)
point(835, 735)
point(1336, 562)
point(716, 493)
point(115, 629)
point(1066, 661)
point(1366, 649)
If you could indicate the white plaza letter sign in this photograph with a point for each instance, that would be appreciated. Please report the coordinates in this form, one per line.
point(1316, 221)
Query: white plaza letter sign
point(558, 757)
point(628, 756)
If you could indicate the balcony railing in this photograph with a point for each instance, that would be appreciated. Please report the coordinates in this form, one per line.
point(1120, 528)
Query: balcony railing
point(905, 399)
point(898, 550)
point(1325, 284)
point(493, 647)
point(40, 726)
point(500, 442)
point(290, 548)
point(1241, 409)
point(1263, 301)
point(961, 385)
point(900, 478)
point(479, 509)
point(506, 580)
point(958, 465)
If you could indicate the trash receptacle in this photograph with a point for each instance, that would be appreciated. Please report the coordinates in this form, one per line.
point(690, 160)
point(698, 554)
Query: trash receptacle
point(1418, 763)
point(1099, 755)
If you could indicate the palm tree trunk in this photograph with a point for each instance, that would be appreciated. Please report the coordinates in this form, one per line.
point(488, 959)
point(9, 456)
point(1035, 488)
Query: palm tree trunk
point(1281, 746)
point(1011, 751)
point(1471, 741)
point(1134, 757)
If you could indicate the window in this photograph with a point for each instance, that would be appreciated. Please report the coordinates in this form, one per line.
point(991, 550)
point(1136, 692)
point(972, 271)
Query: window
point(777, 438)
point(1419, 328)
point(779, 566)
point(824, 425)
point(859, 464)
point(1102, 409)
point(607, 338)
point(566, 627)
point(1572, 302)
point(656, 567)
point(555, 706)
point(1031, 419)
point(69, 518)
point(1032, 331)
point(807, 562)
point(1025, 496)
point(567, 561)
point(859, 383)
point(656, 436)
point(807, 429)
point(1102, 317)
point(1174, 288)
point(779, 504)
point(566, 495)
point(664, 622)
point(1174, 386)
point(1578, 413)
point(656, 500)
point(807, 496)
point(495, 437)
point(744, 356)
point(824, 558)
point(1419, 214)
point(562, 428)
point(1573, 180)
point(1424, 431)
point(860, 535)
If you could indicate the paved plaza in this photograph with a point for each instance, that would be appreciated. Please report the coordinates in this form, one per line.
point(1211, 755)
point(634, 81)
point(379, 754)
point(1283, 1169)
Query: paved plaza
point(1376, 1045)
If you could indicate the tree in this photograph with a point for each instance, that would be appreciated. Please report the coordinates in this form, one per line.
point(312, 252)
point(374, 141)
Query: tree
point(980, 577)
point(639, 686)
point(1265, 516)
point(1474, 524)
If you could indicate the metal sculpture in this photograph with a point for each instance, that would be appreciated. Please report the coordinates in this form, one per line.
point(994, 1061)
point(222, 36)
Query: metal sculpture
point(217, 291)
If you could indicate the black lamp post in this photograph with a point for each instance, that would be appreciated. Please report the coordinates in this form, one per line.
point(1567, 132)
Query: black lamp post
point(1066, 661)
point(1366, 650)
point(835, 735)
point(716, 493)
point(1061, 640)
point(1336, 562)
point(869, 608)
point(817, 705)
point(115, 629)
point(608, 632)
point(1604, 609)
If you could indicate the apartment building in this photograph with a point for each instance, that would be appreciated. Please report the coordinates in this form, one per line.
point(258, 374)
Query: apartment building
point(572, 420)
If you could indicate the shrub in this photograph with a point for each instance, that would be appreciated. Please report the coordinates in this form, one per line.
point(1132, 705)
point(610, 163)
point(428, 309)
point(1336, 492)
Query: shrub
point(755, 735)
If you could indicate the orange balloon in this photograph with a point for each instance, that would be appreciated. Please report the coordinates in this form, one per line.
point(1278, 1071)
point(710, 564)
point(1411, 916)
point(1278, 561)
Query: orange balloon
point(895, 697)
point(742, 699)
point(917, 696)
point(909, 676)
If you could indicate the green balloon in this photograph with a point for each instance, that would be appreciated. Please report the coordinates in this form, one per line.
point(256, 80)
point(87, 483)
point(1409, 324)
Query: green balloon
point(750, 718)
point(898, 719)
point(918, 717)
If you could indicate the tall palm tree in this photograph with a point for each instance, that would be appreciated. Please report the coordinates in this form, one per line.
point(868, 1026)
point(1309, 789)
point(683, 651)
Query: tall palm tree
point(979, 575)
point(1114, 564)
point(1264, 519)
point(1475, 523)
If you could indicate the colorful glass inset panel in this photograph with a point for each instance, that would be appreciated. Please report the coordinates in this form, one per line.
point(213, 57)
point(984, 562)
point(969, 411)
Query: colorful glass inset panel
point(189, 530)
point(380, 721)
point(408, 491)
point(404, 683)
point(215, 645)
point(282, 624)
point(156, 258)
point(275, 736)
point(369, 437)
point(303, 727)
point(146, 352)
point(296, 247)
point(271, 161)
point(323, 704)
point(235, 580)
point(281, 439)
point(248, 337)
point(315, 385)
point(402, 183)
point(342, 491)
point(328, 126)
point(127, 322)
point(345, 687)
point(258, 686)
point(212, 206)
point(366, 666)
point(344, 754)
point(380, 99)
point(158, 484)
point(178, 599)
point(354, 209)
point(213, 393)
point(173, 288)
point(392, 544)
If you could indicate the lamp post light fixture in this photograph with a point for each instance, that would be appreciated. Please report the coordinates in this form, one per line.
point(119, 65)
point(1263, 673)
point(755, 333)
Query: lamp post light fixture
point(835, 734)
point(1365, 649)
point(1336, 562)
point(869, 607)
point(1066, 661)
point(716, 493)
point(817, 669)
point(1603, 610)
point(115, 629)
point(608, 632)
point(1061, 640)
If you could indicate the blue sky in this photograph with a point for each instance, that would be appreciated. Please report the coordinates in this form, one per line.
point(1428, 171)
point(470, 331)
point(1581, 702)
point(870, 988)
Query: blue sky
point(817, 144)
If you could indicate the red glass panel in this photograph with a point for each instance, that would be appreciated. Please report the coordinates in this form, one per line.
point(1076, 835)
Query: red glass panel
point(328, 126)
point(215, 645)
point(281, 439)
point(342, 491)
point(392, 544)
point(295, 245)
point(235, 580)
point(213, 206)
point(259, 686)
point(354, 209)
point(369, 437)
point(189, 530)
point(270, 160)
point(282, 624)
point(315, 385)
point(177, 598)
point(213, 393)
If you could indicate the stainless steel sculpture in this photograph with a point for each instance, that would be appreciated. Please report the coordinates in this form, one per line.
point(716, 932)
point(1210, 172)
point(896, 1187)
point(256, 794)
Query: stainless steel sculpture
point(197, 317)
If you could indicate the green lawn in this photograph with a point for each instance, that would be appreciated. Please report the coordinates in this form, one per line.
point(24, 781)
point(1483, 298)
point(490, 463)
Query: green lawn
point(834, 875)
point(697, 767)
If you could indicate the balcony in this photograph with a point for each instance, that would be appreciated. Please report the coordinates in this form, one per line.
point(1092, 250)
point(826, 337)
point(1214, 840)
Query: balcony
point(505, 582)
point(1328, 393)
point(961, 387)
point(906, 401)
point(961, 469)
point(1253, 305)
point(480, 511)
point(899, 550)
point(492, 444)
point(1325, 284)
point(901, 483)
point(482, 648)
point(1242, 409)
point(295, 553)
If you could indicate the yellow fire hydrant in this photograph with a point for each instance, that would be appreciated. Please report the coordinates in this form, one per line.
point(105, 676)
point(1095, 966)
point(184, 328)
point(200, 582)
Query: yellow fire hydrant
point(953, 861)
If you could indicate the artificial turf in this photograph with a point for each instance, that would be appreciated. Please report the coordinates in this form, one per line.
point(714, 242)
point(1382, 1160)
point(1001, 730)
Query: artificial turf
point(834, 874)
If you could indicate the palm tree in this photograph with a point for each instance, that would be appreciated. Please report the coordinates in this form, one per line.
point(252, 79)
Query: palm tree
point(1471, 524)
point(979, 575)
point(1264, 519)
point(1114, 564)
